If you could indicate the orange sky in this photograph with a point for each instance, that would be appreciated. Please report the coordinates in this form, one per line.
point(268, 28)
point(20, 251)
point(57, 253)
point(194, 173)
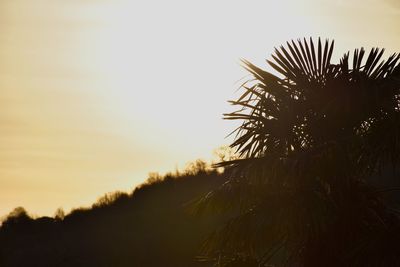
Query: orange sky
point(96, 94)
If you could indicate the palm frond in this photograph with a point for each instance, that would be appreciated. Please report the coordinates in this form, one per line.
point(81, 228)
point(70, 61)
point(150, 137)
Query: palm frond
point(313, 134)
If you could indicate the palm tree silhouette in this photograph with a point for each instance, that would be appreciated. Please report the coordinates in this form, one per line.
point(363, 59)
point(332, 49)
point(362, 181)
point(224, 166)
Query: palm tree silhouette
point(313, 143)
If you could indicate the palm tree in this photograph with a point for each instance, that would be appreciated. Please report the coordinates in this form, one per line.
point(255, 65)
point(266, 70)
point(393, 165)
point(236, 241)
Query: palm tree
point(314, 140)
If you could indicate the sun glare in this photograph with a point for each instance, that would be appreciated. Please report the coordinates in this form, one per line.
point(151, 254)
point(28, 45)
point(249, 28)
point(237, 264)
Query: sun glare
point(96, 94)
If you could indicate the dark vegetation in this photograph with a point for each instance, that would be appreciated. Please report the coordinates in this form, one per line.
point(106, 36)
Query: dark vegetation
point(316, 182)
point(152, 226)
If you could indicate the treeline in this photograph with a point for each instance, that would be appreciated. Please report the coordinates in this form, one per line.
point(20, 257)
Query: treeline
point(152, 226)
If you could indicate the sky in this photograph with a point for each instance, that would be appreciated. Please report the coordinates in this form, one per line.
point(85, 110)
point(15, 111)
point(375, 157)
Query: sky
point(95, 94)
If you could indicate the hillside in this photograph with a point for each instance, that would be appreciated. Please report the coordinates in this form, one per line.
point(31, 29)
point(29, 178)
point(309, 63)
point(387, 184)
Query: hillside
point(152, 226)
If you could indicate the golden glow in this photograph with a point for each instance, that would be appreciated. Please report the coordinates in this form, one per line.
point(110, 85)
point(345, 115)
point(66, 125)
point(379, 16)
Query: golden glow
point(96, 94)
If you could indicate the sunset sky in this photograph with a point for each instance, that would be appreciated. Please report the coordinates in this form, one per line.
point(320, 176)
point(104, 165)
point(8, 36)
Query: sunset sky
point(95, 94)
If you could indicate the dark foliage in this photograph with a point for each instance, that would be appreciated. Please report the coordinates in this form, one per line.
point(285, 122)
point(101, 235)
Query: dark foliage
point(315, 184)
point(150, 227)
point(316, 145)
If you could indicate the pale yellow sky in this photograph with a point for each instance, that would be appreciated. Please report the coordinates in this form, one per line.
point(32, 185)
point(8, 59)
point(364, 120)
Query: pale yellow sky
point(96, 94)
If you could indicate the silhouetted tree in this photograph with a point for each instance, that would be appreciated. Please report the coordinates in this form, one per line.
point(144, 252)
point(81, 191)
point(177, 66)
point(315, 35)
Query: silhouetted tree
point(225, 153)
point(147, 227)
point(59, 214)
point(17, 218)
point(314, 137)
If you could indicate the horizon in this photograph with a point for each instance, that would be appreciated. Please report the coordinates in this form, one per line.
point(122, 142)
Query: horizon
point(96, 95)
